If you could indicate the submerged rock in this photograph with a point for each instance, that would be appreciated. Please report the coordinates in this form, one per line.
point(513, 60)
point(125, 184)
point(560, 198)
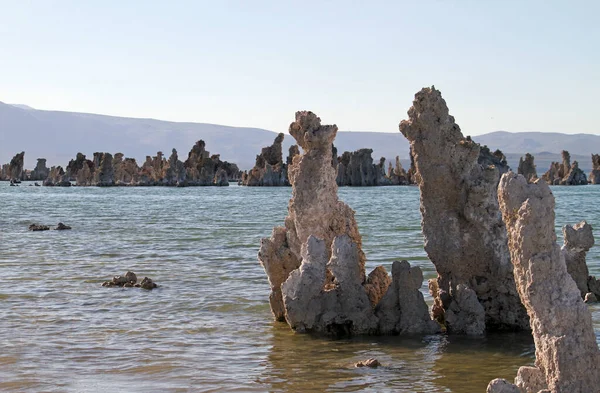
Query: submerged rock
point(500, 385)
point(465, 237)
point(62, 227)
point(371, 363)
point(527, 168)
point(38, 227)
point(129, 280)
point(567, 354)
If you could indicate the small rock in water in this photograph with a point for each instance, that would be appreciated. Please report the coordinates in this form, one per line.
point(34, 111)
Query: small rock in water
point(62, 227)
point(500, 385)
point(147, 283)
point(131, 277)
point(129, 280)
point(38, 227)
point(372, 363)
point(590, 298)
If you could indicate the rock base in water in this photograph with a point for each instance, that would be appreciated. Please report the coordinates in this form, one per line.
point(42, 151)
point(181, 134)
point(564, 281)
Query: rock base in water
point(129, 280)
point(38, 227)
point(371, 363)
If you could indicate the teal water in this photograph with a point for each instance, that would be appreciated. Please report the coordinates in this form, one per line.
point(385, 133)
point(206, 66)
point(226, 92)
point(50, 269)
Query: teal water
point(208, 327)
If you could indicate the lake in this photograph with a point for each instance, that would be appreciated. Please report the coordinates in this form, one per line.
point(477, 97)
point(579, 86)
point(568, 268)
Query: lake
point(208, 327)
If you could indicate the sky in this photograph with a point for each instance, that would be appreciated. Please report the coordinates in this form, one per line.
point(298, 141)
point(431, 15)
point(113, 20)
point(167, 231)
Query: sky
point(500, 65)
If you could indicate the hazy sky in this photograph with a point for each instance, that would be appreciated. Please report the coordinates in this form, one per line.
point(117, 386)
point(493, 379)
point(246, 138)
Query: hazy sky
point(501, 65)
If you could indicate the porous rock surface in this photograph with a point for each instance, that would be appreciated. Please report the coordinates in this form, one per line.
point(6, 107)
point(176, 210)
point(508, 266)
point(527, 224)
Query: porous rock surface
point(315, 264)
point(465, 237)
point(578, 239)
point(527, 168)
point(566, 355)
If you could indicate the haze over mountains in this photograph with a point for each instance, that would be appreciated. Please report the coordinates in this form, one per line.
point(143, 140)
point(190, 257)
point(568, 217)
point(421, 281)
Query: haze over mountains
point(58, 136)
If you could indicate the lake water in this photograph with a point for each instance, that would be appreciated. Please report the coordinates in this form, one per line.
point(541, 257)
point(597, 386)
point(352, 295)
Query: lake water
point(208, 328)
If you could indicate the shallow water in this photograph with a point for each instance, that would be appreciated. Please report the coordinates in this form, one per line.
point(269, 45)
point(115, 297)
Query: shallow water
point(208, 327)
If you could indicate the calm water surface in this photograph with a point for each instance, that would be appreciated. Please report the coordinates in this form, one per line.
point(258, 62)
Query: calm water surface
point(208, 327)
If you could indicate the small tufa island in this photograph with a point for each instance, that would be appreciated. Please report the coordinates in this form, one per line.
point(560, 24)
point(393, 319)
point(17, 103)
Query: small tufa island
point(489, 232)
point(104, 170)
point(352, 168)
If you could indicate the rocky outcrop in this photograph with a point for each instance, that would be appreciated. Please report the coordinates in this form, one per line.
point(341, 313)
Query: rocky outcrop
point(401, 309)
point(566, 353)
point(221, 178)
point(152, 170)
point(340, 310)
point(173, 173)
point(578, 239)
point(129, 280)
point(41, 171)
point(356, 169)
point(527, 168)
point(595, 173)
point(496, 159)
point(398, 176)
point(565, 173)
point(269, 169)
point(13, 171)
point(57, 177)
point(125, 170)
point(62, 227)
point(103, 172)
point(465, 237)
point(315, 264)
point(38, 227)
point(201, 167)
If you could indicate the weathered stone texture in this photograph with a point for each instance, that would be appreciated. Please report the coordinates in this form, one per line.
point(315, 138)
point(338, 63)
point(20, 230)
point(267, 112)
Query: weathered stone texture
point(315, 264)
point(578, 239)
point(465, 237)
point(567, 355)
point(403, 308)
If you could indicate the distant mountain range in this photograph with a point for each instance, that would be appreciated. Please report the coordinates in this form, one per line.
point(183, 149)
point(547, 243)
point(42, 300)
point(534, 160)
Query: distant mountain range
point(58, 136)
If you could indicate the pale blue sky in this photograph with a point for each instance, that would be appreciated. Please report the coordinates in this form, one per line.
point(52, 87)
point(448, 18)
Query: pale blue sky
point(502, 65)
